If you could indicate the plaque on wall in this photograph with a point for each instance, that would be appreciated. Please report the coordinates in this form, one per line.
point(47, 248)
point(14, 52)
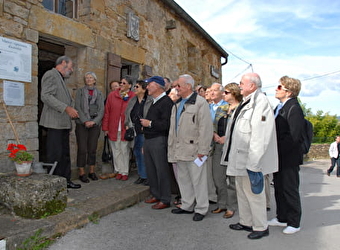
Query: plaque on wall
point(133, 26)
point(15, 60)
point(214, 72)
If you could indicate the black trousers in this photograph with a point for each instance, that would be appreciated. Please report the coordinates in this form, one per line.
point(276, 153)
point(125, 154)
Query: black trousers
point(157, 168)
point(87, 140)
point(287, 196)
point(58, 149)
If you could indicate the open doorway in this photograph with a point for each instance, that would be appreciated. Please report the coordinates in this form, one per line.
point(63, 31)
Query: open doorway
point(47, 56)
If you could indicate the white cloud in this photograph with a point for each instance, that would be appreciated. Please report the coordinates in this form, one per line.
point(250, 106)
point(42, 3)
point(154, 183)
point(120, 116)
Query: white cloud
point(295, 38)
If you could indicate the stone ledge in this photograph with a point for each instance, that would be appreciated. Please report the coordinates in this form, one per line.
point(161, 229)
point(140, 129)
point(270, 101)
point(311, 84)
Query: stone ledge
point(33, 196)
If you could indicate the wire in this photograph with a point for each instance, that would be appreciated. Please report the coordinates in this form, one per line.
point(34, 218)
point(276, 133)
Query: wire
point(319, 76)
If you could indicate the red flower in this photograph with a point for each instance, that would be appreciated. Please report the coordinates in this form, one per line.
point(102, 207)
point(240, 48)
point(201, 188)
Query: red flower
point(18, 153)
point(21, 147)
point(10, 146)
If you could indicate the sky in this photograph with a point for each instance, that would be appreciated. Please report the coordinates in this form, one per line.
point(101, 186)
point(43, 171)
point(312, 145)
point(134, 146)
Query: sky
point(300, 39)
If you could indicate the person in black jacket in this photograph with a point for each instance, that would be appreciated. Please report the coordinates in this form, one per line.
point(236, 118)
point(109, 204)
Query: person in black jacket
point(289, 121)
point(156, 126)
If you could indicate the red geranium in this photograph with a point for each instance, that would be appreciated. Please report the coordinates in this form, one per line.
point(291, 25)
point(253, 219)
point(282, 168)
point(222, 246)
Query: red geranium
point(18, 153)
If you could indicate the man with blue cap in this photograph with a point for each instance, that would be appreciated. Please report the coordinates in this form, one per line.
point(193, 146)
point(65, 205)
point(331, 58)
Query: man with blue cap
point(156, 126)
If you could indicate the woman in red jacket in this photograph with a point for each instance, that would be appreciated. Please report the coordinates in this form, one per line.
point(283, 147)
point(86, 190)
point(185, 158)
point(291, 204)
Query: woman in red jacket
point(113, 126)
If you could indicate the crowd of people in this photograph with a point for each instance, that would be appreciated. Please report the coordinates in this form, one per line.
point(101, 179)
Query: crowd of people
point(212, 144)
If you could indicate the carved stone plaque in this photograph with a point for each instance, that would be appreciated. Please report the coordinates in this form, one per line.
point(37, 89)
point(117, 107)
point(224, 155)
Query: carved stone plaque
point(133, 26)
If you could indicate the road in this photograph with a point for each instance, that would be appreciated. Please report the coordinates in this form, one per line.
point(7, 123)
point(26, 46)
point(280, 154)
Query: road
point(140, 227)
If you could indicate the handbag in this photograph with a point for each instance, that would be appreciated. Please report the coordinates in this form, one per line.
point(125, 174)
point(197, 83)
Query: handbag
point(129, 134)
point(106, 155)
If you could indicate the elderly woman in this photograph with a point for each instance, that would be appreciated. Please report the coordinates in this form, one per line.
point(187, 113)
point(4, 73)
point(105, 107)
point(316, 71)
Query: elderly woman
point(289, 121)
point(137, 108)
point(113, 126)
point(226, 191)
point(89, 103)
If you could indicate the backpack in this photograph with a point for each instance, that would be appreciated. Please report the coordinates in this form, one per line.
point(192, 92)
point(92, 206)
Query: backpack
point(307, 135)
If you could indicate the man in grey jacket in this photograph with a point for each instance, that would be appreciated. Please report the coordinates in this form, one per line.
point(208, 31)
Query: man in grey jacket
point(56, 117)
point(189, 140)
point(250, 152)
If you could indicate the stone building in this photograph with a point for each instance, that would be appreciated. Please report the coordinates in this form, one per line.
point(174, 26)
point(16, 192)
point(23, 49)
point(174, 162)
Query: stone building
point(109, 37)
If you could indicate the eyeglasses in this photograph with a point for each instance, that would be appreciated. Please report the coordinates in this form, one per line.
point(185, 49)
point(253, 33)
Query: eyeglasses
point(227, 92)
point(280, 87)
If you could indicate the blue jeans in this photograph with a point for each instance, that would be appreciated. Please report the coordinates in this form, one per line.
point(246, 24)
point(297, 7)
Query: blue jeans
point(137, 151)
point(333, 162)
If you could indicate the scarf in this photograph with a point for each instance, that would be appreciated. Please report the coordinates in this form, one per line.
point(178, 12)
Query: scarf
point(88, 99)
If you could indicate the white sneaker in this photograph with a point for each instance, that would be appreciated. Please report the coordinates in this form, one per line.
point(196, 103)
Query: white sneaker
point(291, 230)
point(275, 222)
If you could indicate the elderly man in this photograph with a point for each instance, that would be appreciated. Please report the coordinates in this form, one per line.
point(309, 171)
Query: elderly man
point(189, 140)
point(216, 94)
point(56, 117)
point(250, 151)
point(156, 129)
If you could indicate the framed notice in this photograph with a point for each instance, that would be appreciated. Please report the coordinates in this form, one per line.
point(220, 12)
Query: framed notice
point(15, 60)
point(14, 93)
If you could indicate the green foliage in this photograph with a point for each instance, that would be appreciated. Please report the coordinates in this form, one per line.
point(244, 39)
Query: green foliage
point(326, 126)
point(94, 218)
point(36, 242)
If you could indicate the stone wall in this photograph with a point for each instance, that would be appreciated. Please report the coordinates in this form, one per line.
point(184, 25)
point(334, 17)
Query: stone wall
point(100, 28)
point(318, 151)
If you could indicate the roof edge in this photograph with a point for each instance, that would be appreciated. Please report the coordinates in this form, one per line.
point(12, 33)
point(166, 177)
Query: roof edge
point(178, 9)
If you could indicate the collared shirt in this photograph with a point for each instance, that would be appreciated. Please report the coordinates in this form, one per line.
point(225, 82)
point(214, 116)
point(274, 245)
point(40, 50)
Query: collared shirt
point(158, 97)
point(213, 107)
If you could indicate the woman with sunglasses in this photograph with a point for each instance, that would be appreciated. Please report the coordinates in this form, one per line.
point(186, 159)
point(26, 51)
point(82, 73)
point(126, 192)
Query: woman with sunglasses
point(113, 126)
point(226, 193)
point(137, 108)
point(289, 121)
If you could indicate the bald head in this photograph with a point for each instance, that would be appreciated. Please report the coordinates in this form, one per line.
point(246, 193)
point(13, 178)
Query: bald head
point(250, 82)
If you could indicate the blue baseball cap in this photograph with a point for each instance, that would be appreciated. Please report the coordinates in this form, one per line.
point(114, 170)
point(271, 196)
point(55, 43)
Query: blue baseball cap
point(256, 181)
point(157, 79)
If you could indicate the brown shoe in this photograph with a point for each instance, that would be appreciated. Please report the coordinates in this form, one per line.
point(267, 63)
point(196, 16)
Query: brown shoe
point(160, 205)
point(218, 210)
point(151, 200)
point(228, 214)
point(107, 176)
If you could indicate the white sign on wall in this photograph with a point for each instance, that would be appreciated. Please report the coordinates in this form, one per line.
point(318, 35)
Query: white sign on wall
point(14, 93)
point(15, 60)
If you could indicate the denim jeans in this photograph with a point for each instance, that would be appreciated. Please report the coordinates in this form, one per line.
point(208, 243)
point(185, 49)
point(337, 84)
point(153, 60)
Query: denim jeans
point(137, 151)
point(335, 161)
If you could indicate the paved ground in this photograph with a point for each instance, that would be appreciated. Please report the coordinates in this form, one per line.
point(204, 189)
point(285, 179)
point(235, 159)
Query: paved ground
point(140, 227)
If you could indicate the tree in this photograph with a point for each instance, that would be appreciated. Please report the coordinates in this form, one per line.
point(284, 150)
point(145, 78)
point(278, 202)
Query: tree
point(326, 126)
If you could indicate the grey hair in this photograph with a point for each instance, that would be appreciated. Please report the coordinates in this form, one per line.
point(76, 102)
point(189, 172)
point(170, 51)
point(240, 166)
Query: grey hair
point(189, 80)
point(92, 74)
point(221, 87)
point(61, 59)
point(255, 79)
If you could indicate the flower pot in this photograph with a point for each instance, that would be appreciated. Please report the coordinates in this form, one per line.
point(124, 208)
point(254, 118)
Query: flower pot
point(23, 169)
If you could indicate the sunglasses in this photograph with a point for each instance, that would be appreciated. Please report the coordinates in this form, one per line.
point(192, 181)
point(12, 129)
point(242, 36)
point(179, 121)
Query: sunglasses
point(227, 92)
point(123, 83)
point(136, 86)
point(280, 87)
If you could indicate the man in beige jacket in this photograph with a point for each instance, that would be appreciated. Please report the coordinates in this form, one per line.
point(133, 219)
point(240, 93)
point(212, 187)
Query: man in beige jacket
point(190, 136)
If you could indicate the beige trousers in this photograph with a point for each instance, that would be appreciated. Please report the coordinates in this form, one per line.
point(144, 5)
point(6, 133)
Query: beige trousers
point(121, 155)
point(252, 207)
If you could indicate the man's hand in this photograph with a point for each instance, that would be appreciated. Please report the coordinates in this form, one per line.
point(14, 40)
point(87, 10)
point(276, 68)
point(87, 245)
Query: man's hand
point(72, 112)
point(200, 156)
point(89, 124)
point(145, 122)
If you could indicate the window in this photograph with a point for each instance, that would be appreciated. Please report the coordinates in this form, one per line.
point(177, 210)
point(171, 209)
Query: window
point(66, 8)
